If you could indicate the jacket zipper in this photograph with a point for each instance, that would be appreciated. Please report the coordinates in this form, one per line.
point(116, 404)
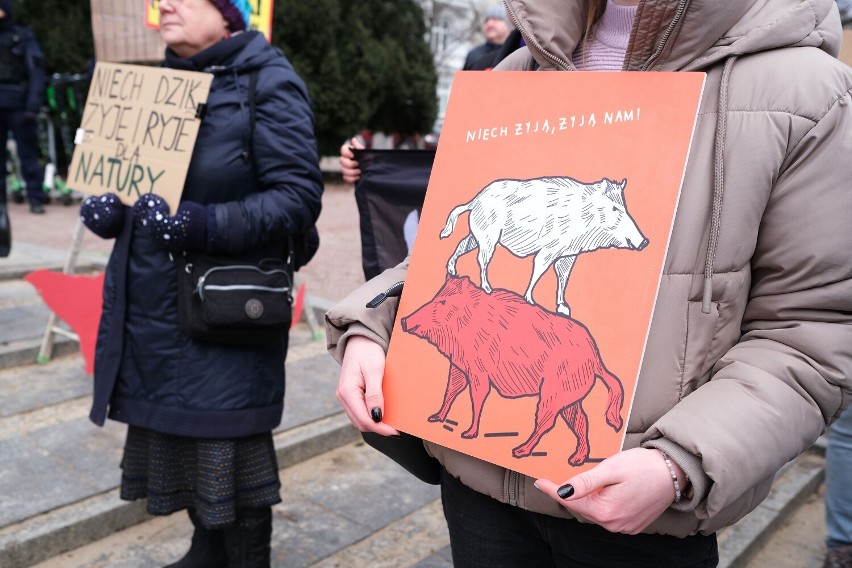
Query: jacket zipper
point(201, 285)
point(681, 9)
point(393, 291)
point(234, 287)
point(514, 487)
point(531, 41)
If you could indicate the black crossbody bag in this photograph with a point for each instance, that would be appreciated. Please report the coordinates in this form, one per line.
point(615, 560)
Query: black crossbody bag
point(233, 302)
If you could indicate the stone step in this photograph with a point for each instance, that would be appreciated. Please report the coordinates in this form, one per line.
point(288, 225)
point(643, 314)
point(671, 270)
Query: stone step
point(352, 507)
point(27, 257)
point(349, 507)
point(798, 541)
point(62, 491)
point(24, 318)
point(794, 485)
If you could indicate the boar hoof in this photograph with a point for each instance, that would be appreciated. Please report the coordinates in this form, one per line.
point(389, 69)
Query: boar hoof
point(615, 422)
point(451, 269)
point(564, 309)
point(521, 452)
point(577, 459)
point(486, 287)
point(435, 418)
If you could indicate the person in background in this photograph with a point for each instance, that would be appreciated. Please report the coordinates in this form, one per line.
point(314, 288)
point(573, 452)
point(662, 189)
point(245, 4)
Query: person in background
point(501, 40)
point(21, 88)
point(349, 168)
point(845, 7)
point(495, 28)
point(838, 493)
point(200, 415)
point(747, 359)
point(367, 139)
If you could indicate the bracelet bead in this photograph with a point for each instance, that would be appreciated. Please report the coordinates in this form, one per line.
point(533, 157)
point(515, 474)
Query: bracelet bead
point(674, 476)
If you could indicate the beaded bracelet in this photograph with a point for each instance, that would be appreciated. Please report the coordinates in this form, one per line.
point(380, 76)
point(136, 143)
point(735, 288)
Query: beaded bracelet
point(673, 474)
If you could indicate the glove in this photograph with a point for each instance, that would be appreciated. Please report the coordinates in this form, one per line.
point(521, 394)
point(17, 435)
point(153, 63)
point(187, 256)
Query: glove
point(103, 215)
point(187, 230)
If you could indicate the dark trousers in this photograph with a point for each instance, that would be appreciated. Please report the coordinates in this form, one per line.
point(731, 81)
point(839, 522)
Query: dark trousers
point(26, 138)
point(489, 534)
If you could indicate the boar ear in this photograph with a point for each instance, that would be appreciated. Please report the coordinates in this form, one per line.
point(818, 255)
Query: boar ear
point(623, 184)
point(615, 192)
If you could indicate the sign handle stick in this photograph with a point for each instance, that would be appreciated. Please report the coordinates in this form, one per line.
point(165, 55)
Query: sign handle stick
point(52, 328)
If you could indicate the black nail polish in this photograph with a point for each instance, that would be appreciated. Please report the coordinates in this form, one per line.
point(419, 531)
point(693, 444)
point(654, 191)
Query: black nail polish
point(376, 413)
point(565, 491)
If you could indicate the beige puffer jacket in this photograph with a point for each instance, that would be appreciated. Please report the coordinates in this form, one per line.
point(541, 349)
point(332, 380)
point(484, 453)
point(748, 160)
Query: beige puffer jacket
point(749, 355)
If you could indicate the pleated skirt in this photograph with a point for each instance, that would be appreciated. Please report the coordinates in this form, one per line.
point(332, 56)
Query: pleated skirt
point(215, 477)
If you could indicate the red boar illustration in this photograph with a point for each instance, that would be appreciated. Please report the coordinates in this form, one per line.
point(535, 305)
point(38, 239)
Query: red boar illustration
point(520, 349)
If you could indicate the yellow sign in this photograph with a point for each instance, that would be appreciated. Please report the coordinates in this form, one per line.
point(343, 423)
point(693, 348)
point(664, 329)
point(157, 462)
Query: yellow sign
point(261, 16)
point(138, 132)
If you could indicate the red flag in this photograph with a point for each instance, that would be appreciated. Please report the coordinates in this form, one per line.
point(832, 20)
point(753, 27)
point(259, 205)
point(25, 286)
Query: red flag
point(76, 300)
point(298, 305)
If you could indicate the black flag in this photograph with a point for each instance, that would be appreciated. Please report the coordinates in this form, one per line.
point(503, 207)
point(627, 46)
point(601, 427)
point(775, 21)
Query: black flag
point(390, 197)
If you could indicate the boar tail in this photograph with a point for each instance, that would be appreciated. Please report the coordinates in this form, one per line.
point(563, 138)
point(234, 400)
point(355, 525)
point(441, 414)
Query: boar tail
point(616, 395)
point(451, 220)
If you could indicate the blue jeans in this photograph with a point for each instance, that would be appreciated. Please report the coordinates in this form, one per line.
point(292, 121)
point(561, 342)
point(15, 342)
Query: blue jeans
point(838, 482)
point(489, 534)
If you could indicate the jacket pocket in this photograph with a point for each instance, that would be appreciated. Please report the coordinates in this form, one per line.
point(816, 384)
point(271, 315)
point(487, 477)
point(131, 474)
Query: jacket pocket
point(697, 361)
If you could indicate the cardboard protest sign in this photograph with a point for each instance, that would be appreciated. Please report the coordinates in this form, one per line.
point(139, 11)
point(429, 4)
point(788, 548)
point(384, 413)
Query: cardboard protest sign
point(138, 131)
point(260, 20)
point(118, 34)
point(527, 304)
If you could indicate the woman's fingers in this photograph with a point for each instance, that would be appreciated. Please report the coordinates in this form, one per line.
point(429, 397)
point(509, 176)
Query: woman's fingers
point(359, 389)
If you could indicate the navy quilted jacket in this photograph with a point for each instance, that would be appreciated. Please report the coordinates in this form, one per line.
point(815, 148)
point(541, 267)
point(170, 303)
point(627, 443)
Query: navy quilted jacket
point(267, 187)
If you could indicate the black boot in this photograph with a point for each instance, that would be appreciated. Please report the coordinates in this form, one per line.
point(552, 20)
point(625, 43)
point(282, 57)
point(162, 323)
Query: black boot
point(207, 550)
point(248, 539)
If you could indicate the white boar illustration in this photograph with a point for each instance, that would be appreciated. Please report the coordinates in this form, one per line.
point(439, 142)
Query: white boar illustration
point(553, 218)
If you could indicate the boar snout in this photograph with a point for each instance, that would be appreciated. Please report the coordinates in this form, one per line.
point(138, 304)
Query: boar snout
point(407, 327)
point(645, 242)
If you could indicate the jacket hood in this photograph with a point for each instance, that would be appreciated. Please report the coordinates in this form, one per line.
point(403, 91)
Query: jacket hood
point(238, 54)
point(684, 34)
point(257, 53)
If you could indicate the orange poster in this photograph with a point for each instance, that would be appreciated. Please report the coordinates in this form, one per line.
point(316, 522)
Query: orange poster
point(526, 308)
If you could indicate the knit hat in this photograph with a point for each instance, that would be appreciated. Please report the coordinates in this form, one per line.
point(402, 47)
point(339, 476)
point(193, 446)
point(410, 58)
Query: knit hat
point(235, 12)
point(497, 12)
